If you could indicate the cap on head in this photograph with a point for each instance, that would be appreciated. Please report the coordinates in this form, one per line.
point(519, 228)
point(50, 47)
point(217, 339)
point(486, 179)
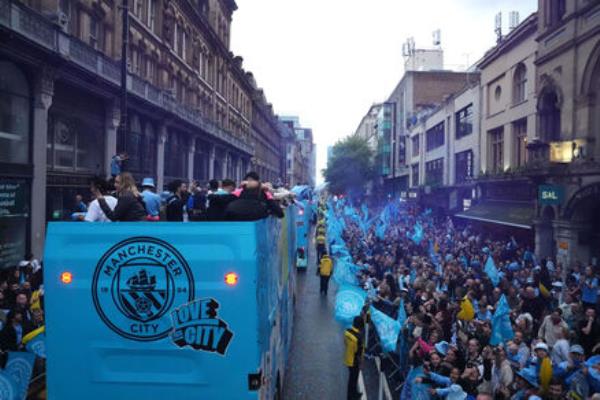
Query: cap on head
point(577, 349)
point(148, 182)
point(541, 346)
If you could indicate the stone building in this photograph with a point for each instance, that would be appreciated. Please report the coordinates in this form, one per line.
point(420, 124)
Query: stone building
point(566, 151)
point(194, 113)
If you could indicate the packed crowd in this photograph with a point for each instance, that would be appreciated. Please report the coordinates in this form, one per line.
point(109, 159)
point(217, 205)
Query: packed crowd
point(21, 305)
point(448, 287)
point(120, 199)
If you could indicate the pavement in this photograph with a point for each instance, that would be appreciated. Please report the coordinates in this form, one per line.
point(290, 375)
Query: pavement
point(315, 368)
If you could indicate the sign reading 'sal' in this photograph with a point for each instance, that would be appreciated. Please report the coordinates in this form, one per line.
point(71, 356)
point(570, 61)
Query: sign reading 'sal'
point(138, 283)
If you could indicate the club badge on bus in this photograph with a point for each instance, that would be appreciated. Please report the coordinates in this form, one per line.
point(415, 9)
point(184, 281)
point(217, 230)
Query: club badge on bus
point(137, 284)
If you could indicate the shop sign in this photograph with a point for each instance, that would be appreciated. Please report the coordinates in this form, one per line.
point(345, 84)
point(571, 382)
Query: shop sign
point(13, 199)
point(550, 194)
point(14, 210)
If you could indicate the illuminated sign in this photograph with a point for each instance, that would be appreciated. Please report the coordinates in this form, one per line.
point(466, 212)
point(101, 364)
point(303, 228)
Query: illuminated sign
point(565, 152)
point(550, 194)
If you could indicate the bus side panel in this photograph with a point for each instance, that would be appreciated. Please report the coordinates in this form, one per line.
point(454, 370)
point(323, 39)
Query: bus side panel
point(110, 297)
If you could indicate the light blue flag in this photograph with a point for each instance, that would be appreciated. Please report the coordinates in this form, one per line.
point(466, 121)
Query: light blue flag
point(491, 270)
point(412, 390)
point(344, 273)
point(380, 230)
point(387, 329)
point(37, 345)
point(401, 313)
point(501, 327)
point(365, 211)
point(19, 367)
point(417, 235)
point(349, 302)
point(8, 387)
point(435, 258)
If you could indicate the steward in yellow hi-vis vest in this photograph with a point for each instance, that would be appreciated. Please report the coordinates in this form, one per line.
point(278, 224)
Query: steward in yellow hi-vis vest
point(321, 245)
point(353, 340)
point(325, 268)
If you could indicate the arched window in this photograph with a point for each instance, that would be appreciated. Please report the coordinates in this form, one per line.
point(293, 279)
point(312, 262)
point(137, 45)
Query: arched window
point(520, 84)
point(549, 112)
point(15, 110)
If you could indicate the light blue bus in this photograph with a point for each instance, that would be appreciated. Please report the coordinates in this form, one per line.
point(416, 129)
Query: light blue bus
point(169, 310)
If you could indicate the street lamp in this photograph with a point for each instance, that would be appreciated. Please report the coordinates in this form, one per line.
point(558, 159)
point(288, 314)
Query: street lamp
point(124, 45)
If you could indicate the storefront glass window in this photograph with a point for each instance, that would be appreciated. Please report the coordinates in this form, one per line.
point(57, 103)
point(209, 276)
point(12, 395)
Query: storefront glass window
point(14, 215)
point(15, 110)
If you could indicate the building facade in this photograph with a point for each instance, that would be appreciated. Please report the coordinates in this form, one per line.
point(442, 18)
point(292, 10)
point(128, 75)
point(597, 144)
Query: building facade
point(566, 153)
point(301, 154)
point(194, 113)
point(367, 129)
point(504, 196)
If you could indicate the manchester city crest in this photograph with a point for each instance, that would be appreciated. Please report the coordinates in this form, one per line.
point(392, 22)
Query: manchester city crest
point(137, 283)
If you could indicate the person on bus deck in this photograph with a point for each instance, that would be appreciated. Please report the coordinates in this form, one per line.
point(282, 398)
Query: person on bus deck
point(325, 269)
point(254, 201)
point(175, 202)
point(151, 200)
point(354, 343)
point(196, 203)
point(130, 205)
point(99, 187)
point(12, 332)
point(218, 201)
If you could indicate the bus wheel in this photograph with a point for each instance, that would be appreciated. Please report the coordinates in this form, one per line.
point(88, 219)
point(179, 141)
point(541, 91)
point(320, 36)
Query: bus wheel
point(278, 394)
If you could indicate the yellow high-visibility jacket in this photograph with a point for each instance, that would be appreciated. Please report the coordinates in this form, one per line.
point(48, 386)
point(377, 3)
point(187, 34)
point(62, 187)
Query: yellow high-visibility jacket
point(321, 239)
point(325, 266)
point(354, 347)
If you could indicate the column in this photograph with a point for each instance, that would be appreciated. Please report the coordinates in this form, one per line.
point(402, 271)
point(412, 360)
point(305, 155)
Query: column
point(224, 165)
point(238, 169)
point(160, 157)
point(44, 91)
point(211, 162)
point(566, 234)
point(111, 123)
point(190, 163)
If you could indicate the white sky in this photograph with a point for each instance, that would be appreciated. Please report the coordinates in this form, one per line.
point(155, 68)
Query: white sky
point(327, 61)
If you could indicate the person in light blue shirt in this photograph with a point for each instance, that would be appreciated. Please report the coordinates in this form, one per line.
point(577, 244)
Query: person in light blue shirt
point(589, 290)
point(151, 199)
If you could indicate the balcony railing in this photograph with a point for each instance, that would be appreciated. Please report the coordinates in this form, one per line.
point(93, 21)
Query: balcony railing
point(35, 27)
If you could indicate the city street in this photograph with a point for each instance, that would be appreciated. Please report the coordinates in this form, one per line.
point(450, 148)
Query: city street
point(315, 369)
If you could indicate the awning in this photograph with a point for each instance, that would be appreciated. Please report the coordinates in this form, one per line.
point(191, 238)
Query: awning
point(518, 215)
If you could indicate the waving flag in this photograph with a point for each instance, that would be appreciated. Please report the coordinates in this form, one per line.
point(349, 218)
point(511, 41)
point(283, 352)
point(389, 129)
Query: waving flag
point(401, 313)
point(491, 270)
point(467, 311)
point(8, 387)
point(387, 329)
point(35, 342)
point(501, 326)
point(417, 235)
point(435, 259)
point(349, 302)
point(413, 390)
point(18, 368)
point(345, 273)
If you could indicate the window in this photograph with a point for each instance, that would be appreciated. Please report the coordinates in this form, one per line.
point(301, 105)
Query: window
point(65, 7)
point(434, 172)
point(15, 113)
point(415, 145)
point(549, 115)
point(464, 121)
point(555, 10)
point(497, 150)
point(183, 44)
point(520, 135)
point(520, 84)
point(498, 93)
point(435, 137)
point(151, 14)
point(94, 32)
point(415, 174)
point(175, 36)
point(138, 8)
point(464, 166)
point(73, 144)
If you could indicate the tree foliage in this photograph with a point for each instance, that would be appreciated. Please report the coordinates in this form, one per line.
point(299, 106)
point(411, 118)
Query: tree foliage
point(350, 166)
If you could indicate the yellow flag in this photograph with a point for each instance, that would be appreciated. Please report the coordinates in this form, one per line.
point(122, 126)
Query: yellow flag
point(544, 290)
point(467, 312)
point(545, 373)
point(27, 338)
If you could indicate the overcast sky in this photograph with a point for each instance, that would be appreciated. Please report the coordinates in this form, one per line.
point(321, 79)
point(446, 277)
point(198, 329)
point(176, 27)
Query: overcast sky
point(327, 61)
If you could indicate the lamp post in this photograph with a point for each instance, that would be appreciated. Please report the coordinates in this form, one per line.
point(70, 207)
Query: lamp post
point(124, 45)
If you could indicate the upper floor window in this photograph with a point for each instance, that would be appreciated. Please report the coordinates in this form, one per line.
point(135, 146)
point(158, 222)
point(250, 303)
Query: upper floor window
point(435, 137)
point(15, 114)
point(138, 7)
point(549, 116)
point(555, 10)
point(95, 33)
point(415, 145)
point(150, 13)
point(464, 121)
point(520, 84)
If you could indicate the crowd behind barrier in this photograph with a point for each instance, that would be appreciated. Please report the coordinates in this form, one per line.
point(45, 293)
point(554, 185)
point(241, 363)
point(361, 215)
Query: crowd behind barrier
point(454, 313)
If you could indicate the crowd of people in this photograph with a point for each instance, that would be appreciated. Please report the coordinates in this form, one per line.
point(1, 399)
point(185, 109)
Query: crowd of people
point(120, 199)
point(448, 301)
point(21, 304)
